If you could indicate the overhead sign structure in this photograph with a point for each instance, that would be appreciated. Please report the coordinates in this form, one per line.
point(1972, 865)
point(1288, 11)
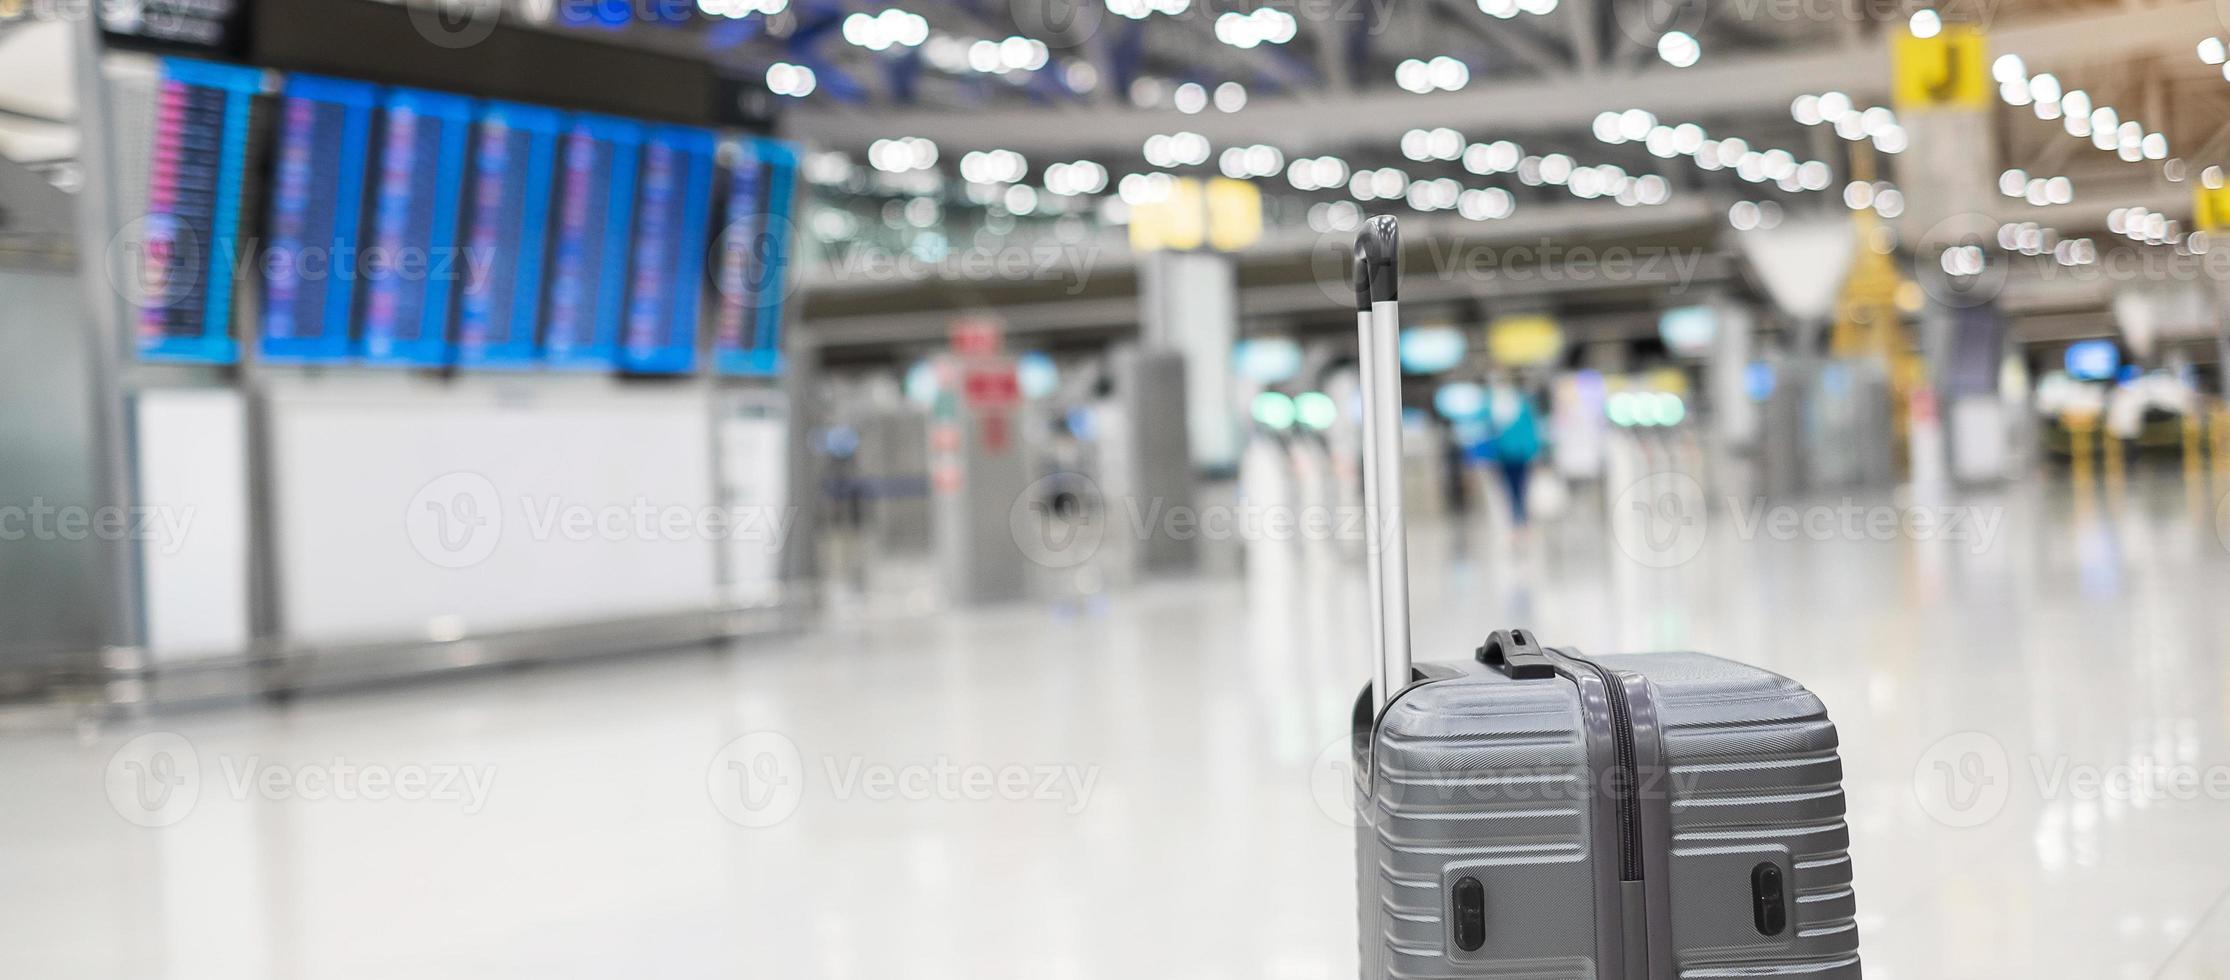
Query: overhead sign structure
point(1525, 340)
point(1948, 69)
point(1222, 214)
point(2210, 207)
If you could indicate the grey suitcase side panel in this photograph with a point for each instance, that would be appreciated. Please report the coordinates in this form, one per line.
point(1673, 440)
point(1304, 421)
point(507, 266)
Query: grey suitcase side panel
point(1473, 774)
point(1490, 779)
point(1754, 777)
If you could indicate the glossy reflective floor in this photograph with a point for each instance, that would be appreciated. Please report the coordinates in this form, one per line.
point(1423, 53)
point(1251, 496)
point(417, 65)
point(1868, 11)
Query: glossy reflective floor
point(1141, 783)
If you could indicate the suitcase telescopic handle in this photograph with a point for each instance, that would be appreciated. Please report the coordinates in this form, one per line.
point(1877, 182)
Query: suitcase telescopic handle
point(1378, 327)
point(1518, 655)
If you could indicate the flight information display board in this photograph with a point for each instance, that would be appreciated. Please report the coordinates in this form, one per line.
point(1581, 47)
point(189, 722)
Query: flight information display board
point(598, 160)
point(315, 215)
point(754, 253)
point(189, 239)
point(507, 229)
point(413, 266)
point(666, 290)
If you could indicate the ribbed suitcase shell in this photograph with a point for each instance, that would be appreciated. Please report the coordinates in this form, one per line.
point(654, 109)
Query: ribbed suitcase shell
point(1472, 774)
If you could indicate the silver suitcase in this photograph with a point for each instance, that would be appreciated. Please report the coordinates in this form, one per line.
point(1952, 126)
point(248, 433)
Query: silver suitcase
point(1533, 812)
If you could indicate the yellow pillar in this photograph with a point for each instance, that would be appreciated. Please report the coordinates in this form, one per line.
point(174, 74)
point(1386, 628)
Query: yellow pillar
point(2220, 424)
point(2080, 427)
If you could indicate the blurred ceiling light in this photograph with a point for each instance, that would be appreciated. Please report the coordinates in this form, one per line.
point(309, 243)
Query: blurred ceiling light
point(1190, 98)
point(828, 167)
point(2009, 68)
point(994, 167)
point(1413, 76)
point(1264, 25)
point(1486, 204)
point(1142, 9)
point(1448, 74)
point(2212, 51)
point(1081, 76)
point(1834, 105)
point(897, 156)
point(1926, 23)
point(1231, 97)
point(1679, 49)
point(1077, 177)
point(1137, 189)
point(737, 9)
point(2046, 88)
point(1806, 110)
point(1506, 9)
point(795, 81)
point(880, 32)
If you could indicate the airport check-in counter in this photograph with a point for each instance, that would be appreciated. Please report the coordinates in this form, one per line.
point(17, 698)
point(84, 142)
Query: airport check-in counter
point(323, 468)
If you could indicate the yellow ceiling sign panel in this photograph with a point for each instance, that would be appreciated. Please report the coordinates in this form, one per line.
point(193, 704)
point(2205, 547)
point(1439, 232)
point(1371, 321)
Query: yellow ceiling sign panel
point(1950, 69)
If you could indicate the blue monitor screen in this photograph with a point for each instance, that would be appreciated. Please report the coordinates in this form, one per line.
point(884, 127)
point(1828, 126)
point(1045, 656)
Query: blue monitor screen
point(507, 235)
point(317, 201)
point(413, 265)
point(754, 259)
point(588, 265)
point(663, 299)
point(195, 175)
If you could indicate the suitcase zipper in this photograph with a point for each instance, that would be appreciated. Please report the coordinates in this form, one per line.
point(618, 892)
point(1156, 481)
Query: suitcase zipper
point(1626, 779)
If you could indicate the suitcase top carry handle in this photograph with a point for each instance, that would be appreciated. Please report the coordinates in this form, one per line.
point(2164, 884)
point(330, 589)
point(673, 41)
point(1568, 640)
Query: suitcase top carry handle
point(1378, 328)
point(1518, 655)
point(1377, 262)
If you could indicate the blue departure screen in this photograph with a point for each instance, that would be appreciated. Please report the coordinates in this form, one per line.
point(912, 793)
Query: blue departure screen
point(588, 264)
point(507, 233)
point(414, 266)
point(754, 252)
point(668, 281)
point(317, 199)
point(196, 168)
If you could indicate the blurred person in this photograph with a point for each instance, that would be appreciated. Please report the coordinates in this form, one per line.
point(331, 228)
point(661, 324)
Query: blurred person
point(1513, 440)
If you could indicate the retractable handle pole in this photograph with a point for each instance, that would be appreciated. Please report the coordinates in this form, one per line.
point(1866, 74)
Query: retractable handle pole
point(1378, 329)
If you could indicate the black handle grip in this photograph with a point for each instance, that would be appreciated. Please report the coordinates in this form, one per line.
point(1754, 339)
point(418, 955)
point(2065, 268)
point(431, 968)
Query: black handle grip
point(1377, 262)
point(1518, 655)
